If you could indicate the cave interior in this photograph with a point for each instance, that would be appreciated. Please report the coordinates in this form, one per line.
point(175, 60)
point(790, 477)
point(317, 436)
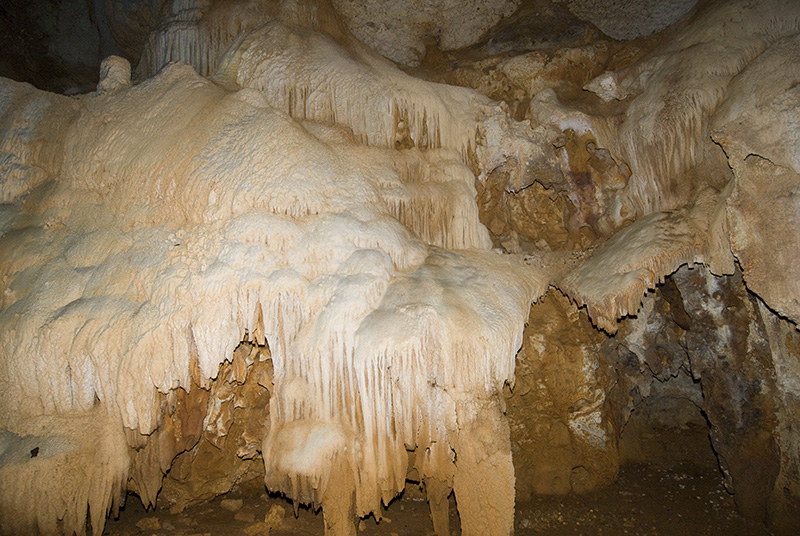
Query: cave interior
point(432, 259)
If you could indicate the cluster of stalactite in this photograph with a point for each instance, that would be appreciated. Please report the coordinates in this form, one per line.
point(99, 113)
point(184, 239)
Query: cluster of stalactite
point(281, 247)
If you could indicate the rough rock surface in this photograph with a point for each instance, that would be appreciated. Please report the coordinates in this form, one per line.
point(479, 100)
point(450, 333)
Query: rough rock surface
point(54, 45)
point(739, 349)
point(623, 19)
point(564, 439)
point(758, 127)
point(399, 30)
point(229, 448)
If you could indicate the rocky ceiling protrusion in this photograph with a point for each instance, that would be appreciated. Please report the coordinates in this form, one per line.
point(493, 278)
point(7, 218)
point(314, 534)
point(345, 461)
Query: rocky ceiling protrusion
point(399, 29)
point(629, 19)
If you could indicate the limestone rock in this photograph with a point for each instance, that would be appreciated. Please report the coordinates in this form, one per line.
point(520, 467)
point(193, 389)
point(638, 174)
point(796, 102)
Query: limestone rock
point(270, 262)
point(759, 127)
point(227, 449)
point(81, 460)
point(54, 45)
point(275, 516)
point(216, 236)
point(630, 19)
point(399, 30)
point(257, 529)
point(664, 138)
point(564, 439)
point(739, 361)
point(247, 517)
point(125, 25)
point(148, 523)
point(232, 505)
point(195, 32)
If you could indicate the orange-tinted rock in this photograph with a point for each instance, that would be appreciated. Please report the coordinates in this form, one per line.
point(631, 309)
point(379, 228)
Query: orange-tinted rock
point(236, 419)
point(563, 436)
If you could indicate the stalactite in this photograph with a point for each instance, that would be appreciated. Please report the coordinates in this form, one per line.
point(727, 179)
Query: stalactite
point(165, 252)
point(310, 196)
point(612, 279)
point(676, 90)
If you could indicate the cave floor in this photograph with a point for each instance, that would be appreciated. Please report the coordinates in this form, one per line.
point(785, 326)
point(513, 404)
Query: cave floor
point(646, 500)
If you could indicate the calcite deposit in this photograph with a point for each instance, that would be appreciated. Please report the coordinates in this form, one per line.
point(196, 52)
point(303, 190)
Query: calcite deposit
point(260, 249)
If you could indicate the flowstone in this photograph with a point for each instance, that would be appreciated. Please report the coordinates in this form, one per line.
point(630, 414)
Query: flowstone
point(262, 179)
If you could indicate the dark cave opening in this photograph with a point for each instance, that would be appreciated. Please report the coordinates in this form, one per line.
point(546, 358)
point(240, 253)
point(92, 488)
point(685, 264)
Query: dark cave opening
point(668, 428)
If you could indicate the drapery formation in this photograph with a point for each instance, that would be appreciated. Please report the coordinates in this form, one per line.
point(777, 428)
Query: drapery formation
point(307, 196)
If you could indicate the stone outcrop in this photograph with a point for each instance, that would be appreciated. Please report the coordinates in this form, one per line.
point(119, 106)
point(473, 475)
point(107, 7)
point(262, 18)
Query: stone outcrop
point(629, 20)
point(564, 438)
point(401, 30)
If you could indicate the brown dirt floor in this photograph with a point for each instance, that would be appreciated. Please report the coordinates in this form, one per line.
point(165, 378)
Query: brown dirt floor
point(646, 500)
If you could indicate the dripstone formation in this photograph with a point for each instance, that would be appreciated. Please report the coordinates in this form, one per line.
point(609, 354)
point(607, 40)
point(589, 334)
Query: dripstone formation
point(341, 249)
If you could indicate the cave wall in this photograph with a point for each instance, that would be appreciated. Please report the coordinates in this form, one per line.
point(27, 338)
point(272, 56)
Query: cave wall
point(565, 440)
point(287, 235)
point(55, 45)
point(702, 351)
point(739, 361)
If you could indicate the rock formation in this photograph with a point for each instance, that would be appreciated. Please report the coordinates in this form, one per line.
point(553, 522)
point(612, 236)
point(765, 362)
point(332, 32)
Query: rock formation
point(265, 250)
